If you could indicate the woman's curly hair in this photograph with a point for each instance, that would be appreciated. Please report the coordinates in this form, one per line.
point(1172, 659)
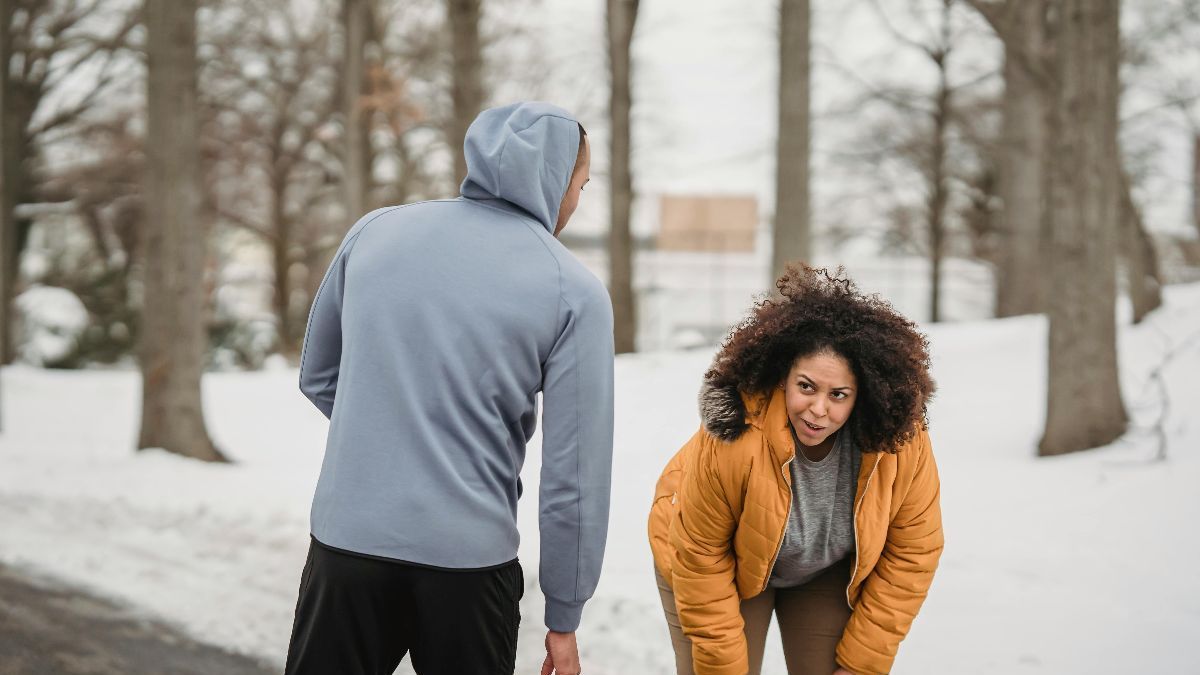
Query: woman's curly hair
point(815, 311)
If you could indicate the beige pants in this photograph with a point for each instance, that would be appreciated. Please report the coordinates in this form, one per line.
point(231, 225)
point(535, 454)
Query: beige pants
point(811, 620)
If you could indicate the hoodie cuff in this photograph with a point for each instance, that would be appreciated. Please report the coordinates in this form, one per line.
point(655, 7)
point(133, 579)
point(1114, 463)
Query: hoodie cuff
point(563, 617)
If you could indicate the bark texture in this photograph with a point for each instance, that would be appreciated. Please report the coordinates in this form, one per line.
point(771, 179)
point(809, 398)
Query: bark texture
point(1084, 406)
point(173, 337)
point(357, 160)
point(939, 192)
point(1023, 177)
point(621, 16)
point(791, 234)
point(20, 100)
point(467, 80)
point(8, 256)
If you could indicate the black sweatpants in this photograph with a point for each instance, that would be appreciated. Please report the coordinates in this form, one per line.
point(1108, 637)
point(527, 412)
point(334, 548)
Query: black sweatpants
point(361, 615)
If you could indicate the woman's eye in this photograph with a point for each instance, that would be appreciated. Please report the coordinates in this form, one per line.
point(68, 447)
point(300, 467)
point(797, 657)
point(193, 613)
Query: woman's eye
point(804, 386)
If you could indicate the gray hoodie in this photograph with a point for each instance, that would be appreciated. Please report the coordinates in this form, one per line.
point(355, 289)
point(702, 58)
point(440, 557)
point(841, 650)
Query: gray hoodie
point(434, 330)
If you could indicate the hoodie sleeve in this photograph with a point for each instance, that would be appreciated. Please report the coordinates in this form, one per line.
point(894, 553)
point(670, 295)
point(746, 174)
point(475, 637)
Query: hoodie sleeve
point(322, 353)
point(577, 437)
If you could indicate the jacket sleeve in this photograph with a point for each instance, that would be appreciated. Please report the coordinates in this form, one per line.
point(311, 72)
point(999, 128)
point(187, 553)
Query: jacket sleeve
point(577, 438)
point(702, 575)
point(321, 356)
point(893, 592)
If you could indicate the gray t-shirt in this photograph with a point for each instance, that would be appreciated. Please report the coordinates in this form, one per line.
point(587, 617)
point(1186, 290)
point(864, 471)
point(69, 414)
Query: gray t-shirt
point(820, 529)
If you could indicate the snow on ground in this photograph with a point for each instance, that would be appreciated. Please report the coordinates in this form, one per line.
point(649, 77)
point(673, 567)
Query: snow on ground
point(1078, 564)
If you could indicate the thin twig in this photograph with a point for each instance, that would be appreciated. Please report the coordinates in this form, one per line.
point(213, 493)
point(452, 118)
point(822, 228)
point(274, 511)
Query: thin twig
point(1156, 377)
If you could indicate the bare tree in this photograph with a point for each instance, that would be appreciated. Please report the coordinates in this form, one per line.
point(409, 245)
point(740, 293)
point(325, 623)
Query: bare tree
point(466, 86)
point(400, 120)
point(1025, 28)
point(272, 81)
point(1084, 406)
point(104, 188)
point(47, 44)
point(791, 233)
point(1158, 58)
point(621, 16)
point(440, 64)
point(925, 144)
point(938, 192)
point(1027, 31)
point(412, 106)
point(173, 340)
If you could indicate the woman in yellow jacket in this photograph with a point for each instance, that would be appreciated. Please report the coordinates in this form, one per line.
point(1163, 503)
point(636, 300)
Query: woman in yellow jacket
point(810, 491)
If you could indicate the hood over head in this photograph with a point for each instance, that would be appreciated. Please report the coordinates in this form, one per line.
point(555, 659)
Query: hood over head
point(523, 153)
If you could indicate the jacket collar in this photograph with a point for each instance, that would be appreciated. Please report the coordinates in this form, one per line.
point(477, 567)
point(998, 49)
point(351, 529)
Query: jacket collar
point(727, 413)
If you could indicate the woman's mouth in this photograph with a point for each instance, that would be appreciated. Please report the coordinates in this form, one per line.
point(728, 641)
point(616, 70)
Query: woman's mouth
point(812, 428)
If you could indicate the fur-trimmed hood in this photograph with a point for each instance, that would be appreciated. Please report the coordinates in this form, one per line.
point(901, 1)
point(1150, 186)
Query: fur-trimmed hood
point(723, 411)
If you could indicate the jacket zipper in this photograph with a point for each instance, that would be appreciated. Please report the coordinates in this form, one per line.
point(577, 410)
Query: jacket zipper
point(786, 467)
point(854, 521)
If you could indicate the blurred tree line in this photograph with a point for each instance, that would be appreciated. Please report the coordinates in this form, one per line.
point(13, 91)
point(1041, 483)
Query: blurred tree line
point(162, 136)
point(171, 133)
point(308, 115)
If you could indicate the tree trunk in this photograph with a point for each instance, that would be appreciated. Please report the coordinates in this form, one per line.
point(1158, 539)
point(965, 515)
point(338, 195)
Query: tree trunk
point(1141, 261)
point(938, 192)
point(173, 338)
point(6, 206)
point(467, 80)
point(19, 190)
point(357, 159)
point(16, 110)
point(621, 15)
point(279, 226)
point(281, 244)
point(1084, 407)
point(1196, 182)
point(21, 100)
point(1020, 274)
point(790, 238)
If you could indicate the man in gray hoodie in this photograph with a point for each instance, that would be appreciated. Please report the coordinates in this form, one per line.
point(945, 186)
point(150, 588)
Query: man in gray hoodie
point(434, 330)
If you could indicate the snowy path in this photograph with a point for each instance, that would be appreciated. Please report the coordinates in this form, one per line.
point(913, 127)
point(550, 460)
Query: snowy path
point(46, 629)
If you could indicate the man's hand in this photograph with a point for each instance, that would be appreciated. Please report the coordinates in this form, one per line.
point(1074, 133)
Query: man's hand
point(562, 654)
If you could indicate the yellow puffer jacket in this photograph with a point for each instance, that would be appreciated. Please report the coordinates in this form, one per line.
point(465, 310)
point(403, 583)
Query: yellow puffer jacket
point(719, 516)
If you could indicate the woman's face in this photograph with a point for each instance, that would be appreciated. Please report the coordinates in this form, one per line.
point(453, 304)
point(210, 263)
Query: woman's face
point(820, 390)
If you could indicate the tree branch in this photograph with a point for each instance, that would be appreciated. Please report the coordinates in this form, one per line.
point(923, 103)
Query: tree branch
point(915, 44)
point(1157, 378)
point(245, 223)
